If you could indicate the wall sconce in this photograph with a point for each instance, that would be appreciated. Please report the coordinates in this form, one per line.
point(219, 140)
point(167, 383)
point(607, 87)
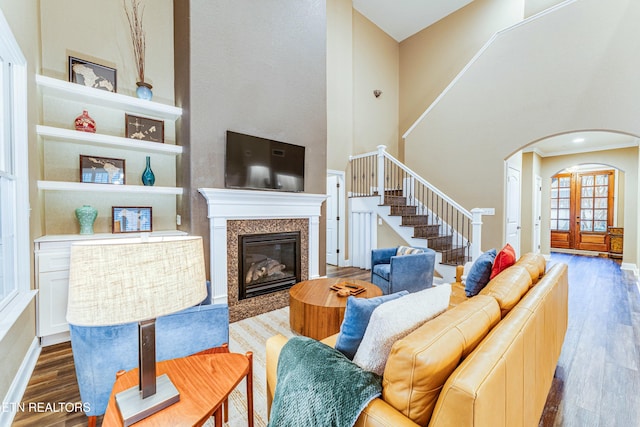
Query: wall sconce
point(377, 93)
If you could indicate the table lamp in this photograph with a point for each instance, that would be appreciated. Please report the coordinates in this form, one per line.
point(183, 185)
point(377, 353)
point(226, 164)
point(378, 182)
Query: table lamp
point(136, 280)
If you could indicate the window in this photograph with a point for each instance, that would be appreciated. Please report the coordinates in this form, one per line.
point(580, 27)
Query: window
point(560, 202)
point(594, 202)
point(14, 190)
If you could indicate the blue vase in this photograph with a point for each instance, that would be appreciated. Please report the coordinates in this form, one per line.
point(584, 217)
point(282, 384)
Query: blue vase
point(86, 217)
point(148, 178)
point(144, 91)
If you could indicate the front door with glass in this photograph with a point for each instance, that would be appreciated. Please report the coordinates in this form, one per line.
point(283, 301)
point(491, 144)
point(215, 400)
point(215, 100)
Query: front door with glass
point(582, 210)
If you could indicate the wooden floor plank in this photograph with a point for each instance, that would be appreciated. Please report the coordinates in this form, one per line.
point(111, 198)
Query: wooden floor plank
point(598, 368)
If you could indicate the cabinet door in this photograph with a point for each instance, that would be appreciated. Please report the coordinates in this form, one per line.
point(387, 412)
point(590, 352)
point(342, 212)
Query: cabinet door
point(52, 300)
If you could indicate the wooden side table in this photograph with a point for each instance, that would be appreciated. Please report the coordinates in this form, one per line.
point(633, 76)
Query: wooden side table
point(204, 382)
point(316, 311)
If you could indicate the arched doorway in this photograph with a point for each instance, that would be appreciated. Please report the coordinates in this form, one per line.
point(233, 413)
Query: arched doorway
point(582, 153)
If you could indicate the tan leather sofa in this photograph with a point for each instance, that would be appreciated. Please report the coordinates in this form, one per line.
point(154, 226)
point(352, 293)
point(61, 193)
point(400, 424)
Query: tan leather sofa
point(487, 361)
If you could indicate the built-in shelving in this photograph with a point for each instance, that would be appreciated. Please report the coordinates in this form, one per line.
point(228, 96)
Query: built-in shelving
point(69, 135)
point(75, 92)
point(108, 188)
point(61, 145)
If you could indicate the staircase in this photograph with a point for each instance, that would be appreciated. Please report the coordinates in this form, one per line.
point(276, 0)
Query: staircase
point(424, 228)
point(416, 210)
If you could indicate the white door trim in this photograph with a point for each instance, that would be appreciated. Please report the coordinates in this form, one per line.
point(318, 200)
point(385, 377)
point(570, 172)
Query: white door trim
point(342, 214)
point(512, 223)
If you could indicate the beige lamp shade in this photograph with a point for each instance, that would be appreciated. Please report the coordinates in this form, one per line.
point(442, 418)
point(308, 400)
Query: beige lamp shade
point(128, 280)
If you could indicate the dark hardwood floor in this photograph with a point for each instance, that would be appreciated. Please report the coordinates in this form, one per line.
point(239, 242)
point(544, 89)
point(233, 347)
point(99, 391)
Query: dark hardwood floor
point(597, 378)
point(53, 382)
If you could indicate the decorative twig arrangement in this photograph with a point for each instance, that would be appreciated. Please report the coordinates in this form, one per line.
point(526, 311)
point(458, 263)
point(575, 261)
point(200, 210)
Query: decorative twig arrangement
point(135, 13)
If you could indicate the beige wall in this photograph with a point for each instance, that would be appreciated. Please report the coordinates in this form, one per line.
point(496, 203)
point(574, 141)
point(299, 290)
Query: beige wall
point(339, 84)
point(387, 237)
point(22, 17)
point(551, 75)
point(252, 67)
point(530, 169)
point(360, 58)
point(626, 160)
point(375, 66)
point(531, 7)
point(430, 59)
point(72, 27)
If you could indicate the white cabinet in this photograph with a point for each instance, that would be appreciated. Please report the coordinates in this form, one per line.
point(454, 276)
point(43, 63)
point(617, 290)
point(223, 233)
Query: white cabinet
point(52, 281)
point(54, 287)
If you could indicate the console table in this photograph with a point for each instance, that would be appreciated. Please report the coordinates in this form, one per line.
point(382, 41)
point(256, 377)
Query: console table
point(204, 382)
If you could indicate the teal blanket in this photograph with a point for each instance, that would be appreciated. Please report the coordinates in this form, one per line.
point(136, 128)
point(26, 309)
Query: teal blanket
point(318, 386)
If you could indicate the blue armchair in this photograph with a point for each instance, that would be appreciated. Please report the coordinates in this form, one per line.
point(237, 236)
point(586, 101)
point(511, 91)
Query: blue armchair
point(101, 351)
point(411, 272)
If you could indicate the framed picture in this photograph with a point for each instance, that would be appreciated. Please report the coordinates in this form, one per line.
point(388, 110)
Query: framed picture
point(91, 74)
point(144, 128)
point(102, 170)
point(131, 219)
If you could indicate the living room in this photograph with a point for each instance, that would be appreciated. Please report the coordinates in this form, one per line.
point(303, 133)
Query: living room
point(316, 69)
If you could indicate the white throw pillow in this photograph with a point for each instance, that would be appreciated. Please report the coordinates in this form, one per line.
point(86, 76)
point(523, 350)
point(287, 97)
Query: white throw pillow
point(396, 319)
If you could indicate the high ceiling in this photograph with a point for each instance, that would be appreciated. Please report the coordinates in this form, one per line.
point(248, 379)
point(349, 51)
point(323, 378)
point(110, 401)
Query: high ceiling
point(580, 142)
point(403, 18)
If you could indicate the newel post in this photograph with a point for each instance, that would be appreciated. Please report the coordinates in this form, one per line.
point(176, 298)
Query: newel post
point(381, 151)
point(476, 233)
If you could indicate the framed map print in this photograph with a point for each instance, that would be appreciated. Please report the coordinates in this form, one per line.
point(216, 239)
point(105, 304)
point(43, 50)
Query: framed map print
point(144, 128)
point(131, 219)
point(91, 74)
point(101, 170)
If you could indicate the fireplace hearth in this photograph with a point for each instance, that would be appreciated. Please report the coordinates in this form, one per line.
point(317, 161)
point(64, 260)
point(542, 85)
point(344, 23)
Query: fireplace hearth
point(269, 262)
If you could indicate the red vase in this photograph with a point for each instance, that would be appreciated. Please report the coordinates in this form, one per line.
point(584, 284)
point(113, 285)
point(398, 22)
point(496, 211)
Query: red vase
point(85, 123)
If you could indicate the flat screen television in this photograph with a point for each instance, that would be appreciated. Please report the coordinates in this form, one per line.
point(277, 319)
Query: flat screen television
point(263, 164)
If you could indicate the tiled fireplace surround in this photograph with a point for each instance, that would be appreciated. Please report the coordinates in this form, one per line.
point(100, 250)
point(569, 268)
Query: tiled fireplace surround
point(235, 212)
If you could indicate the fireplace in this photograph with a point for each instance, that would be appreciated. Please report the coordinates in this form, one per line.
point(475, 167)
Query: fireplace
point(234, 213)
point(269, 262)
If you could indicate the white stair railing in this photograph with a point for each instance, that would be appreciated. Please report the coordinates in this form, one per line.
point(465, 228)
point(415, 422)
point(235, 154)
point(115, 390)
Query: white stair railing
point(447, 226)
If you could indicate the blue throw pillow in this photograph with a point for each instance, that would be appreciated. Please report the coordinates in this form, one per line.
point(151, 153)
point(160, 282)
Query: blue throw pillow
point(480, 272)
point(356, 319)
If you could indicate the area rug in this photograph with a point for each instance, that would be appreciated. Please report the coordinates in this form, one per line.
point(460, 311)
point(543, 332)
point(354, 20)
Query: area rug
point(251, 335)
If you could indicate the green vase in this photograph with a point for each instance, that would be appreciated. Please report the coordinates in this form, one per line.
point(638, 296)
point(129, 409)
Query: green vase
point(86, 217)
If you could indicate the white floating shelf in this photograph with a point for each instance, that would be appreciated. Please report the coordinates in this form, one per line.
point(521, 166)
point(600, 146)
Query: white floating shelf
point(77, 92)
point(107, 188)
point(68, 135)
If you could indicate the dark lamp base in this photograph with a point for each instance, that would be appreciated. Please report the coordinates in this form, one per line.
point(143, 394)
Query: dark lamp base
point(133, 407)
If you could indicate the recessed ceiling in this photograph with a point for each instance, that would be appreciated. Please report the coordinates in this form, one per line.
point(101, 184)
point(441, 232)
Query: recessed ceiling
point(403, 18)
point(580, 142)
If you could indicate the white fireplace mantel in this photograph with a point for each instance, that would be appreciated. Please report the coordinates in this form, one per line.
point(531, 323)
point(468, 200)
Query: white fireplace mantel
point(224, 204)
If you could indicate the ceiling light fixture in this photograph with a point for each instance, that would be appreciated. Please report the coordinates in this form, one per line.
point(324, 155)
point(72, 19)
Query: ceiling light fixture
point(578, 140)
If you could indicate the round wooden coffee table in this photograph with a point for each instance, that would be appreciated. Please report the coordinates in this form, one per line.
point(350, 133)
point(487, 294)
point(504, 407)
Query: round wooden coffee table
point(316, 311)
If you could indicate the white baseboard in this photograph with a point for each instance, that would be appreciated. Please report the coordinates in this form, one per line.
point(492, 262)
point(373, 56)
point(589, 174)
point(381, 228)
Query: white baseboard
point(48, 340)
point(19, 384)
point(633, 268)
